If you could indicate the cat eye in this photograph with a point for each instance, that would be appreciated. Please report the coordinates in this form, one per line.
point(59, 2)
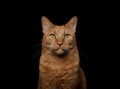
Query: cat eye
point(53, 36)
point(66, 35)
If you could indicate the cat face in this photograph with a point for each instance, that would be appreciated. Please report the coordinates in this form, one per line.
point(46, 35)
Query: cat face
point(59, 40)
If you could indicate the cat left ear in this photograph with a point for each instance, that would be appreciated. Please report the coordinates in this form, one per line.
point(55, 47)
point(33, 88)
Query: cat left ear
point(72, 23)
point(46, 24)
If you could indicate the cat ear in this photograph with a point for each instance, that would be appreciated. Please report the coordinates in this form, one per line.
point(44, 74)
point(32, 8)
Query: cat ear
point(72, 23)
point(46, 23)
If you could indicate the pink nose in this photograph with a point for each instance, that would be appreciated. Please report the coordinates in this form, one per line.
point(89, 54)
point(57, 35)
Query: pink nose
point(59, 43)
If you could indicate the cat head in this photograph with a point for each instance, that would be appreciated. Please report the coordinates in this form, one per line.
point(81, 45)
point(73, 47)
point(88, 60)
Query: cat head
point(59, 40)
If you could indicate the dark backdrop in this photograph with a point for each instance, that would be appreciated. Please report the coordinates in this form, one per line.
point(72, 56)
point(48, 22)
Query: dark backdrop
point(27, 29)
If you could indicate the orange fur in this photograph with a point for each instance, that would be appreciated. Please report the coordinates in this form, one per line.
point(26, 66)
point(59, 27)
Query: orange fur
point(59, 63)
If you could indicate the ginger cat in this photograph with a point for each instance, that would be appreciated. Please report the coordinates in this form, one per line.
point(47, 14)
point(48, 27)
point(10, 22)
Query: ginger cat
point(59, 62)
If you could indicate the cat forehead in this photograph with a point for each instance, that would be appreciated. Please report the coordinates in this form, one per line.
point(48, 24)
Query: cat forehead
point(60, 29)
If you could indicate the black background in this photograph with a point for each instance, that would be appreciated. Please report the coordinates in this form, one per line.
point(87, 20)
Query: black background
point(22, 34)
point(25, 48)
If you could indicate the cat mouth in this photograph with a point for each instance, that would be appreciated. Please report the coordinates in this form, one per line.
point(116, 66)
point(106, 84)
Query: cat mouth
point(60, 52)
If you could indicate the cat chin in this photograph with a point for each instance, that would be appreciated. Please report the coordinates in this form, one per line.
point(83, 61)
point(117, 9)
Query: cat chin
point(59, 51)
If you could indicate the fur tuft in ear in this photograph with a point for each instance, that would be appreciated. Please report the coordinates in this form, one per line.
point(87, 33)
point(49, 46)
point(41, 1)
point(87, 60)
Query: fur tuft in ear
point(46, 23)
point(72, 23)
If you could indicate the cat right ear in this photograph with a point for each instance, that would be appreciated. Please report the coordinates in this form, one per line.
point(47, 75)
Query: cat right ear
point(46, 24)
point(72, 23)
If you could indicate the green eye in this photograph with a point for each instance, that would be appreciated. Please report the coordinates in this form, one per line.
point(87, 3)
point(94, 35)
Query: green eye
point(53, 36)
point(66, 35)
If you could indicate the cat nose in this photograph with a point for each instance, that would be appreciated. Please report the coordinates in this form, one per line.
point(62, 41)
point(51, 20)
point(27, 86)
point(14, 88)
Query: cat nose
point(60, 43)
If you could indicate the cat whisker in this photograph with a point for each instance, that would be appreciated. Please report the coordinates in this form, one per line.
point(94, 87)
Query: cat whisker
point(36, 54)
point(37, 48)
point(37, 45)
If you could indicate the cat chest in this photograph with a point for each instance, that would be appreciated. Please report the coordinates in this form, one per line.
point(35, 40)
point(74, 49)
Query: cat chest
point(59, 80)
point(55, 73)
point(59, 77)
point(58, 72)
